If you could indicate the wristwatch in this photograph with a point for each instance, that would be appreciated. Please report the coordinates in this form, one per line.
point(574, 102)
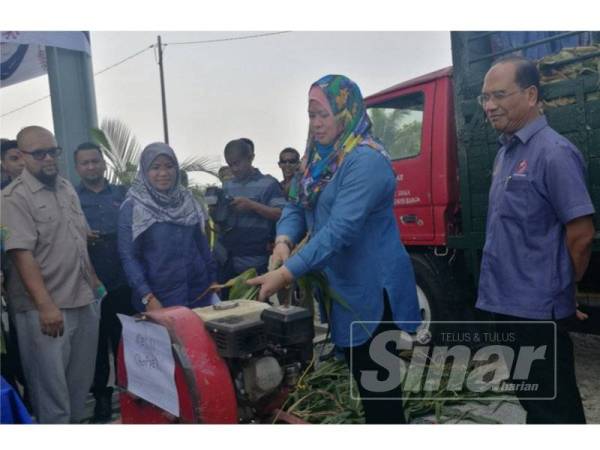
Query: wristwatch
point(284, 240)
point(146, 299)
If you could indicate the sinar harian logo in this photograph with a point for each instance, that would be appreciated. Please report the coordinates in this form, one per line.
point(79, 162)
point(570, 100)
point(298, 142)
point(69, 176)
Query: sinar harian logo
point(458, 359)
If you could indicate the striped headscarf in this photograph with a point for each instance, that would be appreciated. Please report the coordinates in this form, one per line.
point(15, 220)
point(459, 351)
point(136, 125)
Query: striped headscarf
point(346, 103)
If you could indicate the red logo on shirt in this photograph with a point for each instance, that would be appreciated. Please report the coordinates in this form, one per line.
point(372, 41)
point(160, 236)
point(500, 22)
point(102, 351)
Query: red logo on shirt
point(522, 167)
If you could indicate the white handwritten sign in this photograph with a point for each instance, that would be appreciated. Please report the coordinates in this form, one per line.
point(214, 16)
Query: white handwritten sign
point(149, 363)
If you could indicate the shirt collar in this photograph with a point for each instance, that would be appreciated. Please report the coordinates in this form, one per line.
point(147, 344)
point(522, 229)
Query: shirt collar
point(525, 133)
point(253, 176)
point(81, 188)
point(32, 182)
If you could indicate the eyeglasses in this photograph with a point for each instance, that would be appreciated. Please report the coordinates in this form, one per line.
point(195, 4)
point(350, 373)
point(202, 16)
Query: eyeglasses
point(496, 96)
point(40, 154)
point(289, 161)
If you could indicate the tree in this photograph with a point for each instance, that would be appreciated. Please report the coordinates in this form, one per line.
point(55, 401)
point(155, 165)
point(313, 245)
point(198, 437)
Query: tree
point(386, 123)
point(400, 135)
point(408, 139)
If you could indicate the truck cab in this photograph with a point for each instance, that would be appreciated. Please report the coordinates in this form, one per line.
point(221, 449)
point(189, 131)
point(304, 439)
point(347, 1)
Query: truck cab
point(415, 121)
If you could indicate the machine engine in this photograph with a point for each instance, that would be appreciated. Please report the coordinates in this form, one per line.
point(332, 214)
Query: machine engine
point(266, 348)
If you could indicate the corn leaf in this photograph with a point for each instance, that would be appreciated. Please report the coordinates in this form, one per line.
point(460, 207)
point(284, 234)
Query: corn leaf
point(239, 288)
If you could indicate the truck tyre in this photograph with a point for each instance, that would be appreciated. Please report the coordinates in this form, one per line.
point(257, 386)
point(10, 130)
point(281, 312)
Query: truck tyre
point(437, 289)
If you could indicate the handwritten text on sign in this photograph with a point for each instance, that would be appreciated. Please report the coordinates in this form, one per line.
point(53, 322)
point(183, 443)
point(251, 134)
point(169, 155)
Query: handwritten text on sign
point(149, 363)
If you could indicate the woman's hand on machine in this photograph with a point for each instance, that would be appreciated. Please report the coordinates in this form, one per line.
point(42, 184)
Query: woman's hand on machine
point(271, 282)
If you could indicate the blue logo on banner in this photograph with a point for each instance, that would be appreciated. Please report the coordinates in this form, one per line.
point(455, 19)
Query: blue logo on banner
point(8, 67)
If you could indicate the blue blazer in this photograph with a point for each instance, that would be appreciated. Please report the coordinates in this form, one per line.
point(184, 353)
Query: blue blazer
point(172, 261)
point(355, 241)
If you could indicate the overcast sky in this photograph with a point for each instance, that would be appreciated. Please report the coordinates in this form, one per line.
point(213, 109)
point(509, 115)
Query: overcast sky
point(216, 92)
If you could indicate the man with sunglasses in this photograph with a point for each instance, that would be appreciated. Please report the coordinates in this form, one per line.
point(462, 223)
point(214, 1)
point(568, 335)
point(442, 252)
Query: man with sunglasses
point(289, 162)
point(539, 234)
point(51, 292)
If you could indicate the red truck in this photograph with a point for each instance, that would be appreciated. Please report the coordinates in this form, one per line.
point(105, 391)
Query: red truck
point(443, 151)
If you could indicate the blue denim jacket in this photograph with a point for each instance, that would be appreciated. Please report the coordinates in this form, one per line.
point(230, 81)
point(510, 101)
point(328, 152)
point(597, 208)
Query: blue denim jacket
point(355, 241)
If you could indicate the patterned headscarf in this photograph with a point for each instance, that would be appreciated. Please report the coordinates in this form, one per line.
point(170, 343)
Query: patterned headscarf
point(151, 206)
point(346, 102)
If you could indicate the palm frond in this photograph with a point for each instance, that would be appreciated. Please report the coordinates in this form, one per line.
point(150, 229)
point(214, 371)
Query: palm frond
point(124, 144)
point(200, 164)
point(120, 147)
point(99, 137)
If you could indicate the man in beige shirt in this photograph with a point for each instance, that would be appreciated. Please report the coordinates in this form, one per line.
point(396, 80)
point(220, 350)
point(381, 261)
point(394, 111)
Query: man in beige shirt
point(51, 292)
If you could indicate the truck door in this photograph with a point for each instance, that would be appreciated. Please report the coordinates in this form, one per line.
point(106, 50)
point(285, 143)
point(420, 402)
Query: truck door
point(404, 124)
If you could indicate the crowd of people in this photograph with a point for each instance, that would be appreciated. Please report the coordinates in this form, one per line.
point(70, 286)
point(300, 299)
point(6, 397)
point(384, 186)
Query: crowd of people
point(78, 256)
point(75, 257)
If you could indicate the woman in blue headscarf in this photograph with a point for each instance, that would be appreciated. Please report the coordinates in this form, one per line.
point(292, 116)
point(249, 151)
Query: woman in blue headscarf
point(344, 201)
point(164, 251)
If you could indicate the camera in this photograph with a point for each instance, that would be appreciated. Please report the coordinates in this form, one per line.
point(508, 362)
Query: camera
point(218, 202)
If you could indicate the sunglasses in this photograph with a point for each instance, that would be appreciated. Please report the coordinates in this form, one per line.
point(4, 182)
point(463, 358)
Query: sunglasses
point(40, 154)
point(289, 161)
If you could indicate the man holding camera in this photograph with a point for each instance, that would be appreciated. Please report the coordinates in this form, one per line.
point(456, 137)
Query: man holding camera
point(254, 202)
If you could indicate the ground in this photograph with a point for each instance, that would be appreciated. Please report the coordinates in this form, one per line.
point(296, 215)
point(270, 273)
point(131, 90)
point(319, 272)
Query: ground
point(587, 368)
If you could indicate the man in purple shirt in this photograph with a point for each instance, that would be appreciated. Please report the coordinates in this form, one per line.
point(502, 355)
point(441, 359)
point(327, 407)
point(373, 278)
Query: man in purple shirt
point(539, 233)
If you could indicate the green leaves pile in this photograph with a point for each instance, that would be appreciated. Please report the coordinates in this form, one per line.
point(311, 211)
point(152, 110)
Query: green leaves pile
point(323, 397)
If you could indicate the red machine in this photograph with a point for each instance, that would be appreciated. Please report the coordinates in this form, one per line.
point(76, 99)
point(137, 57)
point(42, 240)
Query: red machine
point(234, 362)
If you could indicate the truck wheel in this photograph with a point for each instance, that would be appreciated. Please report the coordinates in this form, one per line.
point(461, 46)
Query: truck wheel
point(424, 307)
point(435, 288)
